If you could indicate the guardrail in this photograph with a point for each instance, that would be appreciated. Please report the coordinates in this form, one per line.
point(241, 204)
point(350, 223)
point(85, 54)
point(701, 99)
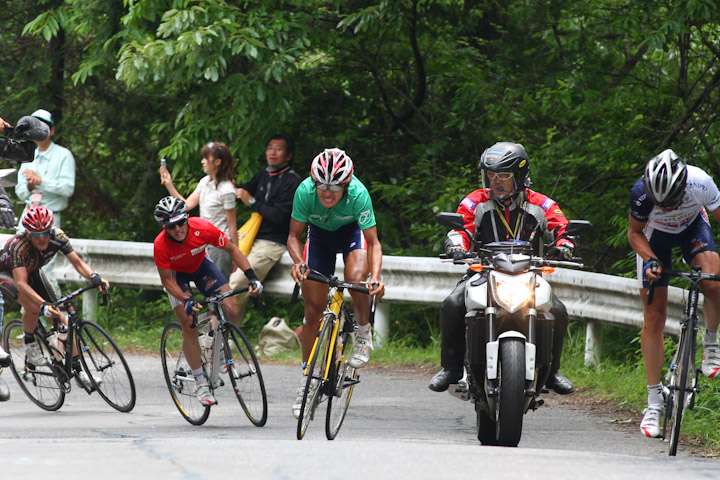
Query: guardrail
point(594, 298)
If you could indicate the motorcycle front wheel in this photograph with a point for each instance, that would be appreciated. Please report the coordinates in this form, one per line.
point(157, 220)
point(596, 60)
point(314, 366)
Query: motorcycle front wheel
point(510, 404)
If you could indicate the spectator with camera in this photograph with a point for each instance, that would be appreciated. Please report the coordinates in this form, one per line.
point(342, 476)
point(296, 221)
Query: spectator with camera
point(49, 180)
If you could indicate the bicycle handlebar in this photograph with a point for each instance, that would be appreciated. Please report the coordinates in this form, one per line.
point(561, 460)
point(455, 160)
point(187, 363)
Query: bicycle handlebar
point(335, 282)
point(68, 298)
point(694, 275)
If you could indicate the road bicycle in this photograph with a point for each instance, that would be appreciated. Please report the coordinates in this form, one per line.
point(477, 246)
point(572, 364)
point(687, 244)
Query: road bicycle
point(329, 376)
point(681, 379)
point(100, 357)
point(234, 357)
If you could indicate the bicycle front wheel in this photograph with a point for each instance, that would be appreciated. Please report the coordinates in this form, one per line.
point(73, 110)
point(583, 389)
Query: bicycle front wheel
point(106, 366)
point(681, 388)
point(315, 384)
point(245, 376)
point(345, 377)
point(38, 383)
point(179, 377)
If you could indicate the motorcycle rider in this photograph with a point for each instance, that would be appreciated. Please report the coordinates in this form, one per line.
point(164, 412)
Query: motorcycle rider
point(504, 209)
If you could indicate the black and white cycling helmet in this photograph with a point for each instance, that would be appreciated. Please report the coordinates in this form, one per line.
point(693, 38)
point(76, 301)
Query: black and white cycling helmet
point(506, 157)
point(332, 167)
point(665, 179)
point(170, 210)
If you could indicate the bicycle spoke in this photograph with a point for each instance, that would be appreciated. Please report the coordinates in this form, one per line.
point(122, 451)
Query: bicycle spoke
point(106, 367)
point(38, 383)
point(245, 375)
point(179, 377)
point(315, 387)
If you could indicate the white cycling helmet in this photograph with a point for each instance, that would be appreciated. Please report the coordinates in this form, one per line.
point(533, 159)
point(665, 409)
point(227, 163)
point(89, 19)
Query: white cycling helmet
point(332, 167)
point(665, 179)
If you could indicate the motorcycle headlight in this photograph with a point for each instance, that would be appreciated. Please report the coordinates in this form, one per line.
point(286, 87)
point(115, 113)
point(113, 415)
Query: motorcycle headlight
point(512, 292)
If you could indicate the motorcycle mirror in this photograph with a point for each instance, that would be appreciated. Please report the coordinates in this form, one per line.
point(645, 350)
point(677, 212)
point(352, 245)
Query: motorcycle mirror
point(456, 222)
point(578, 227)
point(450, 220)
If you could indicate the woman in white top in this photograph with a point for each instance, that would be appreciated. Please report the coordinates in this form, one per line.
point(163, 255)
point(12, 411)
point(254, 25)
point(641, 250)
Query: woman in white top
point(215, 194)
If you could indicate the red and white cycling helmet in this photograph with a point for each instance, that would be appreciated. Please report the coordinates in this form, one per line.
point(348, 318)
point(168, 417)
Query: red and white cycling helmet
point(37, 219)
point(332, 167)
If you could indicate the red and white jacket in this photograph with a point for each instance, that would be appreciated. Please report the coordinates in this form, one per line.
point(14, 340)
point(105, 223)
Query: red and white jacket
point(528, 218)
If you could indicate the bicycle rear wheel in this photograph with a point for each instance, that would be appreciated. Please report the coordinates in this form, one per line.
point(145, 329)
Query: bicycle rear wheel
point(179, 377)
point(245, 376)
point(38, 383)
point(345, 377)
point(680, 388)
point(106, 366)
point(315, 385)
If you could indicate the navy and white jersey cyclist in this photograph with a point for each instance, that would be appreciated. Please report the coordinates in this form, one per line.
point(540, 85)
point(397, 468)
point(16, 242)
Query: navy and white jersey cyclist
point(669, 209)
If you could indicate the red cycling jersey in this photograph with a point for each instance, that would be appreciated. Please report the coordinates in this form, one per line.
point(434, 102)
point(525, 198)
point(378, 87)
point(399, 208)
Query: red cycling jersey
point(187, 256)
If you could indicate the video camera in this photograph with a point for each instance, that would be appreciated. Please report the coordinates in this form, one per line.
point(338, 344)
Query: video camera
point(18, 144)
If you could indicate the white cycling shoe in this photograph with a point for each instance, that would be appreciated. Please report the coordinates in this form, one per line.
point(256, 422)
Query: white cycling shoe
point(650, 425)
point(711, 360)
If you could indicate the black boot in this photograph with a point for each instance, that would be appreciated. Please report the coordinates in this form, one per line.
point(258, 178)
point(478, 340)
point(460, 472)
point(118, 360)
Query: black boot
point(560, 384)
point(442, 380)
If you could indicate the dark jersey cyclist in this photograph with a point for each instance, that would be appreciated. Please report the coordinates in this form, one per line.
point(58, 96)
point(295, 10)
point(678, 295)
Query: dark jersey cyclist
point(669, 209)
point(180, 257)
point(22, 279)
point(335, 209)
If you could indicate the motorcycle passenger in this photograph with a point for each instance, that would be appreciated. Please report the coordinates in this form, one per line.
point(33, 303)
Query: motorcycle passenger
point(504, 209)
point(667, 210)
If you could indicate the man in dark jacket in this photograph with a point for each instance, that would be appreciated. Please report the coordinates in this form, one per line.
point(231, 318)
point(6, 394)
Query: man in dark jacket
point(270, 193)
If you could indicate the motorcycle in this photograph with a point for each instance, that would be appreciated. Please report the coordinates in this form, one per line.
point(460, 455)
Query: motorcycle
point(509, 330)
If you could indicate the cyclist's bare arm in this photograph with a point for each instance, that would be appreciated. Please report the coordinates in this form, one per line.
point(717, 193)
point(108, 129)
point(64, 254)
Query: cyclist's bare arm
point(640, 244)
point(171, 285)
point(376, 287)
point(295, 249)
point(83, 268)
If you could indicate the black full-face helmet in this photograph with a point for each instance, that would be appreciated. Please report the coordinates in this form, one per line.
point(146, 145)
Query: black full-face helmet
point(665, 179)
point(506, 157)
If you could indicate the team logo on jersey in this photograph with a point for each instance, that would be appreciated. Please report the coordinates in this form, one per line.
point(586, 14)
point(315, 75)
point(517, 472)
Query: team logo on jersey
point(364, 217)
point(197, 233)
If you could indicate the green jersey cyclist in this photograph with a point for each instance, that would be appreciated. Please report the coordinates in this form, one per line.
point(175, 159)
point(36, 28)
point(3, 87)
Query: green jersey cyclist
point(335, 209)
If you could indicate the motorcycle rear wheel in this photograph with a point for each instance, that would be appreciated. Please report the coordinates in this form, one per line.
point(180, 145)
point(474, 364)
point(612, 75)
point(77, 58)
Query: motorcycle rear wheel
point(511, 392)
point(486, 427)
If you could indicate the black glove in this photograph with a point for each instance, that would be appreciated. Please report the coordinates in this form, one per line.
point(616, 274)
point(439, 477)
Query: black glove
point(458, 253)
point(653, 264)
point(96, 280)
point(7, 213)
point(563, 252)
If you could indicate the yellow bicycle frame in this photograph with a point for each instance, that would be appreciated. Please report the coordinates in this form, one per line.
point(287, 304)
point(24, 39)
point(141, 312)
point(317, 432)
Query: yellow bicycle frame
point(334, 306)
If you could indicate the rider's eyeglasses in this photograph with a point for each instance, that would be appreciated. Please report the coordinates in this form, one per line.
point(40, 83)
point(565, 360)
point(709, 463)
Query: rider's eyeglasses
point(502, 176)
point(44, 234)
point(172, 226)
point(325, 186)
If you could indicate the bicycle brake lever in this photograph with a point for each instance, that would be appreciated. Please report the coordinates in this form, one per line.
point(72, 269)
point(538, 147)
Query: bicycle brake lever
point(650, 291)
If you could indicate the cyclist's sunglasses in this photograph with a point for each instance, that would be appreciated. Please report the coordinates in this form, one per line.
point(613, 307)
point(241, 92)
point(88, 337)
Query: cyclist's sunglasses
point(44, 234)
point(325, 186)
point(502, 176)
point(173, 225)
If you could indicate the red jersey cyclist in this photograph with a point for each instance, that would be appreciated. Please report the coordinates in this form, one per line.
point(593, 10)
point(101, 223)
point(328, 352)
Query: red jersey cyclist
point(23, 280)
point(338, 209)
point(179, 252)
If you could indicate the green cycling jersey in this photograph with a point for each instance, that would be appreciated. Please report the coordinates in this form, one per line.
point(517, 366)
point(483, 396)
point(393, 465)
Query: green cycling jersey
point(354, 206)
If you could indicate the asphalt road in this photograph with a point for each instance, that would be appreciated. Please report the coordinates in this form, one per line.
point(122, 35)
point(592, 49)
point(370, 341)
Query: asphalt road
point(395, 428)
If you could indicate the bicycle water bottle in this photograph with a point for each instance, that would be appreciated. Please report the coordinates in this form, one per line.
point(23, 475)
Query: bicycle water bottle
point(57, 341)
point(206, 344)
